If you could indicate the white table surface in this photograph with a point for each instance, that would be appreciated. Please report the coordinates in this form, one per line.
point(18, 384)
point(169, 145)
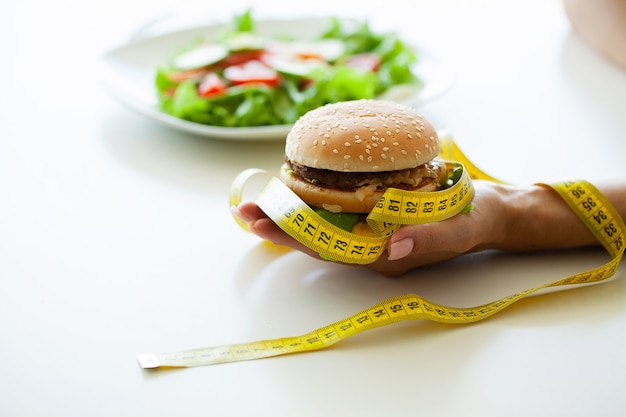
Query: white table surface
point(116, 238)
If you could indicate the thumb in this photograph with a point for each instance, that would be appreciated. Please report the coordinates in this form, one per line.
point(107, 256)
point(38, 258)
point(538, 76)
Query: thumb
point(447, 236)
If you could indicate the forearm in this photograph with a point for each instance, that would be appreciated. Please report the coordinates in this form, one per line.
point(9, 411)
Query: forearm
point(538, 218)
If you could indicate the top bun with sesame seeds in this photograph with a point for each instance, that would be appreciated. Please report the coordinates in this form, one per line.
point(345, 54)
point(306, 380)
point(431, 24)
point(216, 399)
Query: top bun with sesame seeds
point(343, 156)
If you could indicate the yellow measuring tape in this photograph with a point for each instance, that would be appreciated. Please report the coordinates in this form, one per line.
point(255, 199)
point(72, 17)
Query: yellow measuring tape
point(395, 208)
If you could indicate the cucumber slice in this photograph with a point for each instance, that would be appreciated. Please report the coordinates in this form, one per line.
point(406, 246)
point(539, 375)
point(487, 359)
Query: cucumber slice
point(201, 56)
point(329, 49)
point(299, 68)
point(245, 41)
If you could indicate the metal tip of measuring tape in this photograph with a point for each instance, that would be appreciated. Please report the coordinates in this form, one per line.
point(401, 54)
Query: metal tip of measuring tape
point(148, 360)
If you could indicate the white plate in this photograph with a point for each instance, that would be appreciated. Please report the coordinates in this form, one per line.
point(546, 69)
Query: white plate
point(128, 72)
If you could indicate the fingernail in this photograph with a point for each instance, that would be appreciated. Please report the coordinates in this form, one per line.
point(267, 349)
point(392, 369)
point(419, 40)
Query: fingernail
point(400, 249)
point(234, 210)
point(251, 227)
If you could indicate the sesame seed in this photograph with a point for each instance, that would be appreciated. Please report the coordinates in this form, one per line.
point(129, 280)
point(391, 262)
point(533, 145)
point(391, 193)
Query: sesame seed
point(375, 167)
point(396, 144)
point(382, 155)
point(335, 151)
point(346, 157)
point(347, 144)
point(361, 157)
point(386, 148)
point(369, 159)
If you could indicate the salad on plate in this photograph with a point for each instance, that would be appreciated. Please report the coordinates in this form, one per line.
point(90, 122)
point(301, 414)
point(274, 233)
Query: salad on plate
point(245, 79)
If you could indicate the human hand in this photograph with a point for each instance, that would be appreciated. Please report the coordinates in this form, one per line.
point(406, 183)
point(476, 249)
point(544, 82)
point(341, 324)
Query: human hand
point(413, 246)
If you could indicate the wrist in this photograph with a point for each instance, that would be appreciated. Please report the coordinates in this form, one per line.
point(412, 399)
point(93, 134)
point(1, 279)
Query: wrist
point(538, 218)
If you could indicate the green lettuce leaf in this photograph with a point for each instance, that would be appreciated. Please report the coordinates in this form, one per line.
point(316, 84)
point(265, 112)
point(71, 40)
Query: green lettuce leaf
point(345, 221)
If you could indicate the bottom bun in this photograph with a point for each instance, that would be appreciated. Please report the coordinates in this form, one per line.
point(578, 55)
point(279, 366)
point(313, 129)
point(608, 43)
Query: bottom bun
point(361, 228)
point(337, 200)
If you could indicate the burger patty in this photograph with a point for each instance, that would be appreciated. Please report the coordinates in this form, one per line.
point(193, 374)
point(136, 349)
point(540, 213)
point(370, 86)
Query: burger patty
point(404, 179)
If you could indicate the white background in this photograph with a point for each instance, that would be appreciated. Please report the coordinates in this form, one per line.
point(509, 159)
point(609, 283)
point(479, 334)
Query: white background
point(116, 238)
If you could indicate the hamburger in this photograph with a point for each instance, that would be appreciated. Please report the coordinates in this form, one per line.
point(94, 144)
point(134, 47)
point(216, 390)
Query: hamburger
point(341, 157)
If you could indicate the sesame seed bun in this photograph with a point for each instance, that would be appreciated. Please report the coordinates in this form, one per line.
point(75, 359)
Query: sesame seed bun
point(362, 136)
point(343, 156)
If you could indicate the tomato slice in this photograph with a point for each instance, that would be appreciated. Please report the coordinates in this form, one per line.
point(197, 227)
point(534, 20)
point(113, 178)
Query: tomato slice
point(243, 56)
point(211, 85)
point(365, 61)
point(252, 72)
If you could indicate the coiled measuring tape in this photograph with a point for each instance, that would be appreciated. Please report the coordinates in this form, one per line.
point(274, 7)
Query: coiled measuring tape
point(395, 209)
